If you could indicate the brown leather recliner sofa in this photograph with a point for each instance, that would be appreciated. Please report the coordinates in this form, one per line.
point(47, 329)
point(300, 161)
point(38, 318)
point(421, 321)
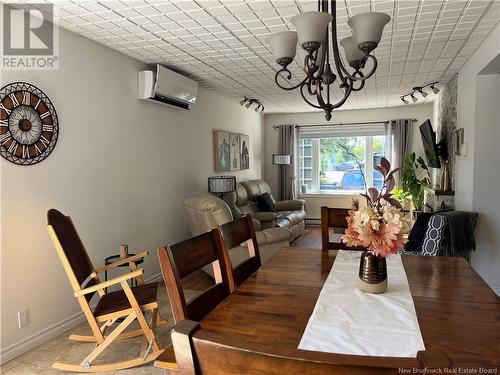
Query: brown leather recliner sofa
point(290, 214)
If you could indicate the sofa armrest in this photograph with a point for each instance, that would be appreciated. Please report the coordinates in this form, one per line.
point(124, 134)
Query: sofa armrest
point(266, 219)
point(291, 205)
point(256, 225)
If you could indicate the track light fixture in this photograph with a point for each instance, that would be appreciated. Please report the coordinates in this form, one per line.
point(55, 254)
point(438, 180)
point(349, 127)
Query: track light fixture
point(420, 90)
point(247, 102)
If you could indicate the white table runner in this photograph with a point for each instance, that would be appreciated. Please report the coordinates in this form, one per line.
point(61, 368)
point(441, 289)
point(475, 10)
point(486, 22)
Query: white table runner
point(347, 321)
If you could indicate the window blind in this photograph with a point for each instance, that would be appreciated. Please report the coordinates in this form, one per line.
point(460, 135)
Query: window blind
point(325, 131)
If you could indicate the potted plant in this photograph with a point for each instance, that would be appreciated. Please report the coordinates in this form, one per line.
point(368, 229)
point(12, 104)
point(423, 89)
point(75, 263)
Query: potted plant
point(379, 227)
point(414, 178)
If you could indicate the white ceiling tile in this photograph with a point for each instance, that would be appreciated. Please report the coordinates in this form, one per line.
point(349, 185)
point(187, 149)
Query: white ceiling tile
point(222, 43)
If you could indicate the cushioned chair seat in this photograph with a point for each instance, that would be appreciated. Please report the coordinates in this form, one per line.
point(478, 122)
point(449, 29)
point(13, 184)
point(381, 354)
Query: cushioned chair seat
point(116, 301)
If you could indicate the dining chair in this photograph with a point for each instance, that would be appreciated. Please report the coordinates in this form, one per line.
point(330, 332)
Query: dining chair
point(182, 259)
point(334, 218)
point(235, 233)
point(123, 306)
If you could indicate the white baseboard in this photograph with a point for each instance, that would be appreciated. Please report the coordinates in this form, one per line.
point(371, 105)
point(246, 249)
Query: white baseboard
point(54, 330)
point(30, 342)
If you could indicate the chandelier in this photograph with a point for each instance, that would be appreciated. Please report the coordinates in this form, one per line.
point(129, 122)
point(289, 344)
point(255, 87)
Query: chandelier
point(313, 55)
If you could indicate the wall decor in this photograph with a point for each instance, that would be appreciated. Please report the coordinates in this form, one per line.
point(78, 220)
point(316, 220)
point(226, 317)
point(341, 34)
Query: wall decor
point(460, 145)
point(231, 151)
point(28, 124)
point(234, 140)
point(447, 124)
point(244, 153)
point(222, 151)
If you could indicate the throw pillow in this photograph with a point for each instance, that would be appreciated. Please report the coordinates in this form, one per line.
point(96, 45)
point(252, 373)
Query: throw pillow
point(417, 233)
point(266, 203)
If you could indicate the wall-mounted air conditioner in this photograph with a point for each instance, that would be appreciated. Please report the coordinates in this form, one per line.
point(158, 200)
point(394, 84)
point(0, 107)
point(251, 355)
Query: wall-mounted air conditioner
point(165, 86)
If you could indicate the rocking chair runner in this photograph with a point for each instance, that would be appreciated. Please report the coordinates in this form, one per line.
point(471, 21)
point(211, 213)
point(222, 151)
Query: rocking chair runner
point(130, 303)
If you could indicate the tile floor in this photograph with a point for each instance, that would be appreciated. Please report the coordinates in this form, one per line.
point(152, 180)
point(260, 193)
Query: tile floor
point(39, 360)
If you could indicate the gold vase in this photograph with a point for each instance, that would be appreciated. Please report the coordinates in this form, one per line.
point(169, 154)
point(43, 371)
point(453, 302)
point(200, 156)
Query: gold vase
point(372, 273)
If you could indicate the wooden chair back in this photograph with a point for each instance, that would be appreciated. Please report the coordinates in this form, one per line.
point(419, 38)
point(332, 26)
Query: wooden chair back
point(71, 251)
point(235, 233)
point(182, 259)
point(334, 218)
point(202, 352)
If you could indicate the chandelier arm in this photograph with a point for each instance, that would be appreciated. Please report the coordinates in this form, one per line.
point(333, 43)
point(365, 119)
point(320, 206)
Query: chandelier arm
point(288, 77)
point(347, 93)
point(306, 100)
point(309, 86)
point(319, 96)
point(362, 81)
point(310, 73)
point(335, 47)
point(324, 47)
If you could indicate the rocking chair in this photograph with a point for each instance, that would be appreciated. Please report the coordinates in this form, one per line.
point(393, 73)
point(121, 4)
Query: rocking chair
point(129, 304)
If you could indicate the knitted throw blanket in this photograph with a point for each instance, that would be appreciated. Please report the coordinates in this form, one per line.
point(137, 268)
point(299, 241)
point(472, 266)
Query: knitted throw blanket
point(459, 233)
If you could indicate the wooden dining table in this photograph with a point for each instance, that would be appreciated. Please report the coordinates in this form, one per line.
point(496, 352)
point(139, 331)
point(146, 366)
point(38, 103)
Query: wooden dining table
point(457, 312)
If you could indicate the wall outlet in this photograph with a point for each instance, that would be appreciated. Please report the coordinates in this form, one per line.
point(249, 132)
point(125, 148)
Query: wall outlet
point(22, 318)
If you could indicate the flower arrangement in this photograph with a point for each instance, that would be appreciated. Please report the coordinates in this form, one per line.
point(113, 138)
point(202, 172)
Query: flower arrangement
point(380, 226)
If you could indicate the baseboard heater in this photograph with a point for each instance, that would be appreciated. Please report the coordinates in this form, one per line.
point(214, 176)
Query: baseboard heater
point(313, 221)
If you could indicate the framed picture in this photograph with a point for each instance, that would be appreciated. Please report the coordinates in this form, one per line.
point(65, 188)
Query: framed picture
point(221, 151)
point(244, 152)
point(234, 140)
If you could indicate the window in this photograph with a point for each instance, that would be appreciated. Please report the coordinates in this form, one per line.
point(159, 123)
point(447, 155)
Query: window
point(326, 167)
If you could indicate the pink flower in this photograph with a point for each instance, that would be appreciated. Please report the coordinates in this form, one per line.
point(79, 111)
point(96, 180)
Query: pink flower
point(381, 239)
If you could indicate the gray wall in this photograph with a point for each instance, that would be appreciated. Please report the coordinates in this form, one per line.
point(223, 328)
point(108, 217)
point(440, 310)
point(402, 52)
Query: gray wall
point(120, 169)
point(486, 201)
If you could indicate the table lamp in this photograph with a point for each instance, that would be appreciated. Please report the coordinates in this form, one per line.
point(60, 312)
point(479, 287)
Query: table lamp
point(282, 159)
point(221, 184)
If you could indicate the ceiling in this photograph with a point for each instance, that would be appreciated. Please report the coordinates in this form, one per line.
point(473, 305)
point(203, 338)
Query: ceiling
point(222, 43)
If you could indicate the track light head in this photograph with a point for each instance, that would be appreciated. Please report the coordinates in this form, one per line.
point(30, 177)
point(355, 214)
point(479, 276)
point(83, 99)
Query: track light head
point(423, 93)
point(414, 98)
point(403, 99)
point(434, 89)
point(248, 102)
